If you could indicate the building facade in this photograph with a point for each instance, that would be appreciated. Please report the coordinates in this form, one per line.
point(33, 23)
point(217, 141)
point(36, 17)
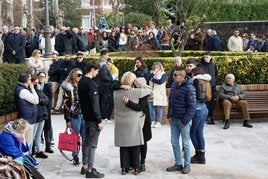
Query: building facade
point(91, 11)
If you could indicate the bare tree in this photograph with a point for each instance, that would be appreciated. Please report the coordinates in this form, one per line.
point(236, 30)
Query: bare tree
point(58, 14)
point(1, 13)
point(7, 13)
point(116, 8)
point(185, 20)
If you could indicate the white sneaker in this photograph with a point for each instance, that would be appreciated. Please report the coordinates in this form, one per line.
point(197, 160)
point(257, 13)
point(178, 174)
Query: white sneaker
point(157, 124)
point(105, 120)
point(153, 124)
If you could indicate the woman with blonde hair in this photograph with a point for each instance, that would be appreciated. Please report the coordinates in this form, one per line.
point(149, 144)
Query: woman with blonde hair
point(129, 123)
point(72, 109)
point(35, 62)
point(158, 98)
point(144, 107)
point(13, 144)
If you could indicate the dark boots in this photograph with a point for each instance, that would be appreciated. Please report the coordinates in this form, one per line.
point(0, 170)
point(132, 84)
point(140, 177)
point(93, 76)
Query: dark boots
point(247, 124)
point(199, 157)
point(210, 121)
point(227, 124)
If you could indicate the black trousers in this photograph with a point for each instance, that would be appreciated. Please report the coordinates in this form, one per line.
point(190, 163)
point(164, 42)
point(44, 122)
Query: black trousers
point(143, 150)
point(48, 130)
point(106, 102)
point(212, 103)
point(129, 157)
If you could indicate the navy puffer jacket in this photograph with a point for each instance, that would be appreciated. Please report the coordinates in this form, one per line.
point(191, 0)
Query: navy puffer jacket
point(182, 101)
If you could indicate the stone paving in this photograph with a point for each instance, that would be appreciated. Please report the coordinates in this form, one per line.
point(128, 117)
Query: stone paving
point(235, 153)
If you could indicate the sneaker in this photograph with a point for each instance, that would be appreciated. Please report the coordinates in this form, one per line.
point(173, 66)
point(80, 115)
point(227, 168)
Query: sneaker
point(186, 169)
point(210, 121)
point(94, 174)
point(41, 155)
point(57, 111)
point(105, 120)
point(49, 150)
point(157, 124)
point(142, 167)
point(174, 168)
point(108, 121)
point(76, 160)
point(52, 144)
point(153, 124)
point(83, 171)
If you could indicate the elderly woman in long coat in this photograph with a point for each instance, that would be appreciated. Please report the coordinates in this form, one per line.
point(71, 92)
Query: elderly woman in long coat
point(128, 133)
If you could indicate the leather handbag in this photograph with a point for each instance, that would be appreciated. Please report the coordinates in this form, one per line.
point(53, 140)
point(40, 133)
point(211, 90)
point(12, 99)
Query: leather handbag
point(69, 141)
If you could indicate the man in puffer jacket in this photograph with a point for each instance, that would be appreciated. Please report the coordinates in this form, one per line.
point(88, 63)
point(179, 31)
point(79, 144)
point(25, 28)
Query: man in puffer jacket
point(181, 110)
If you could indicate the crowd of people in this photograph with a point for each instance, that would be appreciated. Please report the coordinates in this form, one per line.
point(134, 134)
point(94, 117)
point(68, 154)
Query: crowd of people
point(88, 93)
point(17, 43)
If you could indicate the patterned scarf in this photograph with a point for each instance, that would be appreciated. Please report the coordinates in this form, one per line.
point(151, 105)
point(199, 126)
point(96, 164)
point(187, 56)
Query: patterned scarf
point(9, 129)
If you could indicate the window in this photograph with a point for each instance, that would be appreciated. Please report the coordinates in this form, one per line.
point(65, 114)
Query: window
point(86, 22)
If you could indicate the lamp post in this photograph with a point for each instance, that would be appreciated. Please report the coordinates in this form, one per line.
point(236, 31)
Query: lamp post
point(47, 33)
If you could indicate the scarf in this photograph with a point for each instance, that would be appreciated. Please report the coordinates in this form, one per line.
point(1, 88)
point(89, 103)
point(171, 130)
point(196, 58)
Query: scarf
point(9, 129)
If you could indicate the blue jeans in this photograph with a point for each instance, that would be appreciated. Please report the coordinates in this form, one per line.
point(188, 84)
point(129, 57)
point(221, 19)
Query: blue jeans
point(38, 129)
point(175, 141)
point(158, 110)
point(91, 141)
point(197, 127)
point(78, 125)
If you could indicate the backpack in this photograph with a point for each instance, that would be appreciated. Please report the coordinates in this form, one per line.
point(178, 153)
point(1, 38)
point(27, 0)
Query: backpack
point(204, 91)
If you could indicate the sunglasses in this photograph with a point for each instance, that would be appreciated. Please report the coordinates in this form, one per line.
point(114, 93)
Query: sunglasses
point(175, 75)
point(79, 75)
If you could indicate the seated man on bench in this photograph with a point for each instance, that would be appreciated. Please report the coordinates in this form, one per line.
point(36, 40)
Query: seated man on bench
point(232, 97)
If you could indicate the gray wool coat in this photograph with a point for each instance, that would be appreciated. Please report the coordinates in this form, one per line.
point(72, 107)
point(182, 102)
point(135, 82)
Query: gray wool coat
point(128, 123)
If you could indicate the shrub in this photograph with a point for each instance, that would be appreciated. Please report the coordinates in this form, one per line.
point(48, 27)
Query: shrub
point(9, 74)
point(249, 68)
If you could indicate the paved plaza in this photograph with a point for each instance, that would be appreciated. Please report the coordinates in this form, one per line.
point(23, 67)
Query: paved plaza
point(235, 153)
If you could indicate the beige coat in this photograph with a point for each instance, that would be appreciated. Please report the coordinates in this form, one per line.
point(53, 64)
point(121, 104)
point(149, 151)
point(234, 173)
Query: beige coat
point(159, 92)
point(128, 123)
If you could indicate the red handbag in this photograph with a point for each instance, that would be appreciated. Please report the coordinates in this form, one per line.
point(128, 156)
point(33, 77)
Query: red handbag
point(69, 141)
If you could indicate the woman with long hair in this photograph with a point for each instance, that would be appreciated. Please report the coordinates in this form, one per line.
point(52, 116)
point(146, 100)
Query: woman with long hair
point(203, 94)
point(35, 62)
point(158, 99)
point(72, 109)
point(13, 144)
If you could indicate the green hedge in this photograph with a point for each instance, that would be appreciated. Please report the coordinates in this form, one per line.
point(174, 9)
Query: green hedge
point(248, 68)
point(9, 74)
point(168, 53)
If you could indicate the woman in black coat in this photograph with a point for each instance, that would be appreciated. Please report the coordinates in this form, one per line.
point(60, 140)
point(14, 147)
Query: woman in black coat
point(147, 131)
point(47, 90)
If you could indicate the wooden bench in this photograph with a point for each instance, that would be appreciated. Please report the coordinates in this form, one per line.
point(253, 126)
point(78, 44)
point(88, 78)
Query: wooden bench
point(7, 117)
point(257, 97)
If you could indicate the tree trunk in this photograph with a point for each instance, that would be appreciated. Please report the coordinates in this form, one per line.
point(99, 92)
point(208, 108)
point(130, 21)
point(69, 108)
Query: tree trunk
point(30, 18)
point(7, 13)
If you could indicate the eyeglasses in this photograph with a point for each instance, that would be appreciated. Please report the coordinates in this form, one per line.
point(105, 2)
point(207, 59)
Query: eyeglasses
point(175, 75)
point(41, 76)
point(79, 75)
point(79, 57)
point(243, 36)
